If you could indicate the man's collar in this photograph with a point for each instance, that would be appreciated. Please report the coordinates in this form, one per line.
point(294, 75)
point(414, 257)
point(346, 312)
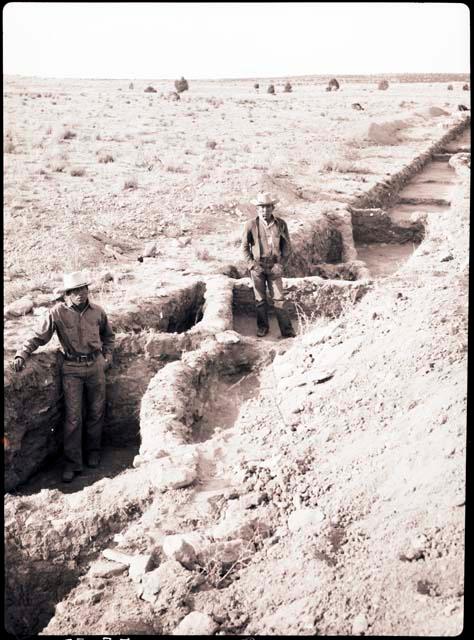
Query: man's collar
point(267, 224)
point(73, 306)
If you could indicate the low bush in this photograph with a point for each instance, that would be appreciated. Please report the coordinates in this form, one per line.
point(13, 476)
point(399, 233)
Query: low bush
point(77, 172)
point(181, 85)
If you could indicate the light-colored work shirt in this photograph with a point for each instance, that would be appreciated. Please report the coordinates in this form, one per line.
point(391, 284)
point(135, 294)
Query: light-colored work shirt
point(79, 332)
point(270, 239)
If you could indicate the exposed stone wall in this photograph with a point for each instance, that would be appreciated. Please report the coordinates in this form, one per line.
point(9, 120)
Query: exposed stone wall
point(33, 397)
point(376, 225)
point(385, 192)
point(313, 296)
point(61, 546)
point(33, 411)
point(175, 397)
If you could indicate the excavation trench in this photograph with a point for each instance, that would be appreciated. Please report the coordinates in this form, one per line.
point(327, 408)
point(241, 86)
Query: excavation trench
point(33, 398)
point(191, 384)
point(386, 236)
point(184, 367)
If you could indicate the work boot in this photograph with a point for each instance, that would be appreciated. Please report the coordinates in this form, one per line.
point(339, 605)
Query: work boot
point(67, 475)
point(284, 322)
point(93, 459)
point(262, 319)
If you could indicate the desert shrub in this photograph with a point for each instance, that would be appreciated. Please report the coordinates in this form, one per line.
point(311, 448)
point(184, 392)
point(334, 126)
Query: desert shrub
point(333, 84)
point(104, 157)
point(215, 102)
point(77, 172)
point(203, 254)
point(465, 87)
point(383, 85)
point(57, 164)
point(271, 89)
point(8, 146)
point(150, 89)
point(450, 87)
point(176, 168)
point(211, 144)
point(328, 88)
point(131, 183)
point(67, 134)
point(256, 86)
point(288, 88)
point(174, 96)
point(181, 85)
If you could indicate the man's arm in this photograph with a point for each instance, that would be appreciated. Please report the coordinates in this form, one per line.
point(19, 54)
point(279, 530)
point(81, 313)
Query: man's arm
point(286, 244)
point(246, 250)
point(107, 336)
point(42, 335)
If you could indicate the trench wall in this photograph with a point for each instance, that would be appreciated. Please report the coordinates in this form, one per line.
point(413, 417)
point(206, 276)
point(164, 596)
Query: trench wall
point(384, 193)
point(313, 296)
point(33, 402)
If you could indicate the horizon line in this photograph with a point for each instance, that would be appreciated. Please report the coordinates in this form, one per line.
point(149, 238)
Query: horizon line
point(243, 78)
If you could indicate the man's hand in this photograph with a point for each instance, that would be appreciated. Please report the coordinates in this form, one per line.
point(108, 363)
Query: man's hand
point(18, 363)
point(277, 270)
point(107, 362)
point(257, 268)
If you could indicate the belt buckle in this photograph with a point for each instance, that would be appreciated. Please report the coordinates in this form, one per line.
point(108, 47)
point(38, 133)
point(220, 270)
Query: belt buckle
point(83, 358)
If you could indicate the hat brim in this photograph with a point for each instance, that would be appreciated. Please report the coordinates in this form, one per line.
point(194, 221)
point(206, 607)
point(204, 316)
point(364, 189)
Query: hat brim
point(261, 204)
point(76, 286)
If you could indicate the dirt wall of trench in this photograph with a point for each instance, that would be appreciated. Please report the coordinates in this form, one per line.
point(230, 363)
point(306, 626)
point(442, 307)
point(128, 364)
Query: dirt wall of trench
point(34, 414)
point(384, 193)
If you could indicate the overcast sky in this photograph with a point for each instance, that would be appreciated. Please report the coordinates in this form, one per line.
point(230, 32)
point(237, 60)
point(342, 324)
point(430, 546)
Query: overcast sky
point(232, 40)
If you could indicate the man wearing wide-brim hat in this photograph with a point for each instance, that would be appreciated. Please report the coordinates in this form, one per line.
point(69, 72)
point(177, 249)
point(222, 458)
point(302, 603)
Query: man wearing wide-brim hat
point(87, 342)
point(266, 248)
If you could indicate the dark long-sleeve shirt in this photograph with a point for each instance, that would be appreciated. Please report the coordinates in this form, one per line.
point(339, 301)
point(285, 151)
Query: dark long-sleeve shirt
point(79, 332)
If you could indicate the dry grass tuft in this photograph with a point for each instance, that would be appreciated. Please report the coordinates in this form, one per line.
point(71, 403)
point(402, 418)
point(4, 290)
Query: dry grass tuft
point(8, 146)
point(176, 168)
point(77, 172)
point(66, 134)
point(131, 183)
point(211, 144)
point(104, 157)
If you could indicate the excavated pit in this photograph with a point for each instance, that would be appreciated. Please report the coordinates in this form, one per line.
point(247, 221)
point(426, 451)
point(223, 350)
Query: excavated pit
point(46, 557)
point(33, 399)
point(386, 237)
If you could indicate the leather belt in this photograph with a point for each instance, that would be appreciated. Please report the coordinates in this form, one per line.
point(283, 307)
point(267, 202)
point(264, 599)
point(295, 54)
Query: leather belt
point(78, 357)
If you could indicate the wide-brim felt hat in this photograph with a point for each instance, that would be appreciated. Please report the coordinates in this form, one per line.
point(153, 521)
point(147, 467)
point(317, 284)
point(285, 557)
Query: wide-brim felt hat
point(264, 198)
point(75, 280)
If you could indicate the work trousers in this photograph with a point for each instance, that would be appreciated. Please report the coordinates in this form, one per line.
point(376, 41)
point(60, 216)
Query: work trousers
point(83, 382)
point(275, 298)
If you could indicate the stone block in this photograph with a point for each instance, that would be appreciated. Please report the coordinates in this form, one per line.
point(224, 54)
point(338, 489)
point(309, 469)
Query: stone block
point(176, 548)
point(196, 624)
point(306, 520)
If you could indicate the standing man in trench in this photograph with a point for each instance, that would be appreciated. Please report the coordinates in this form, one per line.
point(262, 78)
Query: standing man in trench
point(87, 342)
point(266, 248)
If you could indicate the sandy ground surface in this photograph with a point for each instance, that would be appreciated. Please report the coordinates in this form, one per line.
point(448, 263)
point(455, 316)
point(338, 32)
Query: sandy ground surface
point(362, 420)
